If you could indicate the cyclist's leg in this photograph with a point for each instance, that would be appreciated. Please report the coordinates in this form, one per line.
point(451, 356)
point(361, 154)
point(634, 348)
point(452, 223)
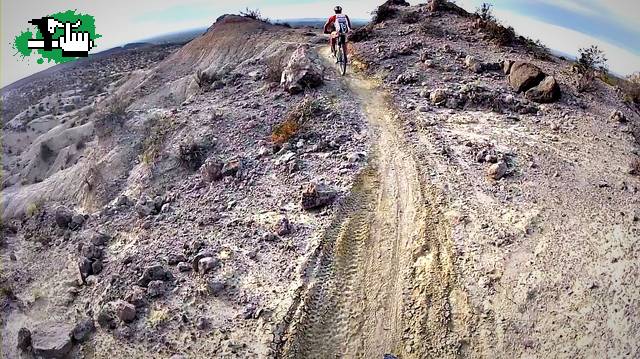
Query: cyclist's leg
point(332, 41)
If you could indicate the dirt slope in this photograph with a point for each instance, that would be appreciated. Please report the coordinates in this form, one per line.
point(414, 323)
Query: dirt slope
point(545, 254)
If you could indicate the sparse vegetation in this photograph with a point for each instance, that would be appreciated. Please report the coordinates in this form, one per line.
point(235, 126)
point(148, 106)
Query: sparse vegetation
point(428, 28)
point(485, 13)
point(487, 22)
point(635, 167)
point(192, 155)
point(113, 115)
point(362, 33)
point(161, 127)
point(503, 36)
point(33, 208)
point(410, 17)
point(157, 316)
point(591, 59)
point(294, 121)
point(253, 14)
point(539, 50)
point(630, 90)
point(384, 12)
point(275, 66)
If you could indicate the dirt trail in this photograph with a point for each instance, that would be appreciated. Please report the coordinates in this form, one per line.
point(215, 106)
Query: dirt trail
point(360, 281)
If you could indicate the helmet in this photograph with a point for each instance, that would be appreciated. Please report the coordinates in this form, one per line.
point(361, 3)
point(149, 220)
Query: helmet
point(337, 9)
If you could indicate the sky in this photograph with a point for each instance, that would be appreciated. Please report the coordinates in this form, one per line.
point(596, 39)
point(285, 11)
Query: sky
point(563, 25)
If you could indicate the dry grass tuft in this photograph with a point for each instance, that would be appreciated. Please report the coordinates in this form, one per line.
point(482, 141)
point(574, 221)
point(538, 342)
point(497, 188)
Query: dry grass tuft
point(294, 121)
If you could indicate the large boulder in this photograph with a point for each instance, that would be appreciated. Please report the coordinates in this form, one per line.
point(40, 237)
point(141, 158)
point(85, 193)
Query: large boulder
point(547, 91)
point(303, 70)
point(51, 341)
point(524, 76)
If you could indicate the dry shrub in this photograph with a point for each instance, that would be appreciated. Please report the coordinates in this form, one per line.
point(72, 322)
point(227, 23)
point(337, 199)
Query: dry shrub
point(275, 66)
point(429, 29)
point(586, 82)
point(503, 36)
point(192, 155)
point(630, 91)
point(155, 138)
point(294, 120)
point(411, 17)
point(384, 12)
point(634, 167)
point(253, 14)
point(485, 13)
point(539, 50)
point(362, 33)
point(112, 116)
point(204, 78)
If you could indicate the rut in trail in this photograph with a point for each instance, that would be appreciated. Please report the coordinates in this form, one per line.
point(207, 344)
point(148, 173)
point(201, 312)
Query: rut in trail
point(359, 297)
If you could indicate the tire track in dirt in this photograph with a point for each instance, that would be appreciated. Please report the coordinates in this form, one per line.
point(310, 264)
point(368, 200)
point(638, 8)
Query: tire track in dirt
point(378, 282)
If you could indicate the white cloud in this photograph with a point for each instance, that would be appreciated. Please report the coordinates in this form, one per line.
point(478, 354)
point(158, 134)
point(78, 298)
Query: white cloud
point(570, 41)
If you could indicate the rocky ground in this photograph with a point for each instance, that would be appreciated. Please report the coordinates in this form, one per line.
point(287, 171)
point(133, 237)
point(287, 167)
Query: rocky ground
point(186, 234)
point(453, 198)
point(541, 198)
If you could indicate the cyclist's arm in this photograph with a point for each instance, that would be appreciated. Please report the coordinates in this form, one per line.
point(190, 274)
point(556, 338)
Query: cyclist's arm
point(329, 23)
point(349, 22)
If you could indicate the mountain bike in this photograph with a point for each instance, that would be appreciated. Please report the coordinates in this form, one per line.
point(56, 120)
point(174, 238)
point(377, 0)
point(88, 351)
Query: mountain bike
point(340, 52)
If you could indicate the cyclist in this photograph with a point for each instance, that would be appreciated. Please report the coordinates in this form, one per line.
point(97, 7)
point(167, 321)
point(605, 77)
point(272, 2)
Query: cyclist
point(338, 24)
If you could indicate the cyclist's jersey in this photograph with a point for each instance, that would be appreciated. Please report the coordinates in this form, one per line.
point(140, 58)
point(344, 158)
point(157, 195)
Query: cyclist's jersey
point(340, 24)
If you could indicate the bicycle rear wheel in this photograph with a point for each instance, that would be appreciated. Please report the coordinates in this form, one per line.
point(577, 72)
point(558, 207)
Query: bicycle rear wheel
point(343, 62)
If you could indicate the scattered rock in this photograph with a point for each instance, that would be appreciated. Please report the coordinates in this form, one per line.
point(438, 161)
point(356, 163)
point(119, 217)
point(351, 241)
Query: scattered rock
point(473, 64)
point(304, 70)
point(545, 92)
point(145, 206)
point(184, 267)
point(438, 96)
point(231, 168)
point(174, 259)
point(497, 170)
point(207, 264)
point(83, 330)
point(316, 196)
point(51, 340)
point(96, 267)
point(124, 310)
point(77, 220)
point(506, 66)
point(63, 216)
point(282, 227)
point(524, 76)
point(618, 116)
point(91, 251)
point(216, 287)
point(211, 170)
point(24, 339)
point(156, 288)
point(154, 272)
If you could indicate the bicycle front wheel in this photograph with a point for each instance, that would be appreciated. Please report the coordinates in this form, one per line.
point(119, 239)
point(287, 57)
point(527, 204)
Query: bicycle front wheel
point(343, 62)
